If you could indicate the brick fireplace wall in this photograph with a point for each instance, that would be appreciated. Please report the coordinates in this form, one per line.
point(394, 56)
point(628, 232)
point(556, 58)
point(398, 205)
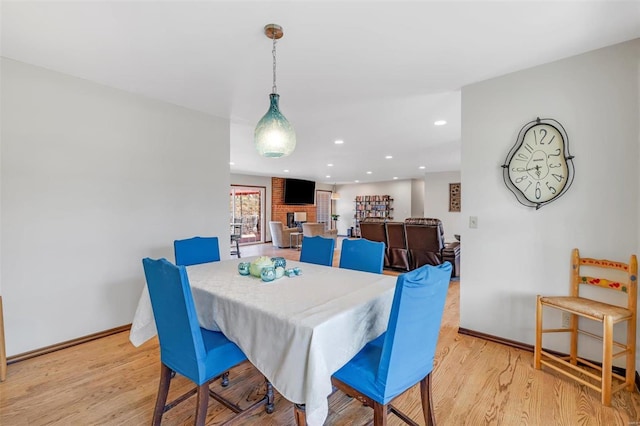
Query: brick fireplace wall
point(279, 210)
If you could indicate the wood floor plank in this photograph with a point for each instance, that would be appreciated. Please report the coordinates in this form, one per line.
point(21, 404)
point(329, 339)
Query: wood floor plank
point(475, 382)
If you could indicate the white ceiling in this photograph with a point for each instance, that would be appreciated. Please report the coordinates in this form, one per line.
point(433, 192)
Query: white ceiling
point(376, 74)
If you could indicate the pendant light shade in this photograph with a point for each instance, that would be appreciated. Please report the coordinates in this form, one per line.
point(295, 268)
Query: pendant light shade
point(334, 194)
point(274, 135)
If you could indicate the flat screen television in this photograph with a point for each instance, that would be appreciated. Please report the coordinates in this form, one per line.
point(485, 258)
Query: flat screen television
point(298, 191)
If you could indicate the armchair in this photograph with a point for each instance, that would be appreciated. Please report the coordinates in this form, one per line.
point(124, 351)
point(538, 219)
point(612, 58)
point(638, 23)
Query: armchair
point(311, 229)
point(374, 229)
point(397, 246)
point(281, 236)
point(425, 241)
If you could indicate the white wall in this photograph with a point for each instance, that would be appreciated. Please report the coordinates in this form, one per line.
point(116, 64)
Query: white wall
point(399, 190)
point(436, 202)
point(417, 198)
point(517, 252)
point(93, 180)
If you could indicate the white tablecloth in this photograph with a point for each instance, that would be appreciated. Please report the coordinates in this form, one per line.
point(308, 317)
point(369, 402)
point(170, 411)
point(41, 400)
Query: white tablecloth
point(297, 331)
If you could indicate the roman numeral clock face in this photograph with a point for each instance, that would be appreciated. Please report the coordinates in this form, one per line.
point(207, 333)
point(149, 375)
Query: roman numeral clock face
point(539, 168)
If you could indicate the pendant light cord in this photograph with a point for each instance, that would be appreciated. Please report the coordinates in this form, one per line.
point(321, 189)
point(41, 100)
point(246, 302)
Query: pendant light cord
point(274, 89)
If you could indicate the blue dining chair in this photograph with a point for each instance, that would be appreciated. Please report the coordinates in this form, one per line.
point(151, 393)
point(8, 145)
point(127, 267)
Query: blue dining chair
point(196, 250)
point(402, 356)
point(185, 348)
point(318, 250)
point(362, 255)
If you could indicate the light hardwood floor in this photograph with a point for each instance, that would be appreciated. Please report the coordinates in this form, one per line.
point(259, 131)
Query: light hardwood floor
point(476, 382)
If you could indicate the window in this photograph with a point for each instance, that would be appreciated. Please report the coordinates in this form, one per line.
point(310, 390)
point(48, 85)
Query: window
point(323, 208)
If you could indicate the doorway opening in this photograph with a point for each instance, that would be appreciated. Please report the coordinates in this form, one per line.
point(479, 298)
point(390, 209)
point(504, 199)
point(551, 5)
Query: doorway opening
point(246, 207)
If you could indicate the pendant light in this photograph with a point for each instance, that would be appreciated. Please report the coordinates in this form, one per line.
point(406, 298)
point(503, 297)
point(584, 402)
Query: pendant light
point(274, 136)
point(334, 194)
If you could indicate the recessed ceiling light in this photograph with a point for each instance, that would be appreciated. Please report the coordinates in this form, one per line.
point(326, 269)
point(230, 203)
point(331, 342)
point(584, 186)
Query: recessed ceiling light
point(330, 165)
point(356, 181)
point(369, 172)
point(388, 157)
point(328, 176)
point(286, 170)
point(339, 142)
point(422, 167)
point(395, 177)
point(440, 123)
point(231, 163)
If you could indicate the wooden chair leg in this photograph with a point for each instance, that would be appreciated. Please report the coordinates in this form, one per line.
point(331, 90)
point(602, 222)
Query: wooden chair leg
point(427, 400)
point(537, 350)
point(379, 414)
point(203, 404)
point(607, 361)
point(573, 350)
point(163, 391)
point(300, 414)
point(631, 355)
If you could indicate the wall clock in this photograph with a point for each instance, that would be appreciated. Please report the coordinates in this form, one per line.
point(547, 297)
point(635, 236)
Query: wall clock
point(539, 169)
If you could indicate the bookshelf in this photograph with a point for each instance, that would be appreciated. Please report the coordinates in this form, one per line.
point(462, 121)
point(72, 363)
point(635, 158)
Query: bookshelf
point(380, 206)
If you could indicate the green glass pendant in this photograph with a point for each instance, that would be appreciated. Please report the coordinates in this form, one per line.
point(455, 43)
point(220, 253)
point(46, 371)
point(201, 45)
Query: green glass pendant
point(274, 136)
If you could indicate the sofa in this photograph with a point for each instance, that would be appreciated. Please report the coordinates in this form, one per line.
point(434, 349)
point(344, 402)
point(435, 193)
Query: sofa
point(311, 229)
point(413, 243)
point(280, 236)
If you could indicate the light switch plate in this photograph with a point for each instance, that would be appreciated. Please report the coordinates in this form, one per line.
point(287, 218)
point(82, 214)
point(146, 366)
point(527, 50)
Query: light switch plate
point(473, 221)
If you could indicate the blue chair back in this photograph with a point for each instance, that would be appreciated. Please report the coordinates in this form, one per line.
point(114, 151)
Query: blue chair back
point(318, 250)
point(362, 255)
point(196, 250)
point(181, 345)
point(414, 325)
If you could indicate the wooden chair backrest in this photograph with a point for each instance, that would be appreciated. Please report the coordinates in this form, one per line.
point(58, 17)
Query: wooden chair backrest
point(627, 286)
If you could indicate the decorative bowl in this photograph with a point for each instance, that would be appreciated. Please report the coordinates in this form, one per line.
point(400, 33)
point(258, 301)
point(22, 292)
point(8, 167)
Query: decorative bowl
point(268, 273)
point(258, 264)
point(244, 268)
point(279, 261)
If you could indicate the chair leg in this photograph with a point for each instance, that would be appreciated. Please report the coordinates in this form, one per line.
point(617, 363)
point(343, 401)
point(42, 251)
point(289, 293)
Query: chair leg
point(427, 400)
point(300, 414)
point(607, 353)
point(537, 350)
point(163, 391)
point(269, 406)
point(631, 355)
point(203, 404)
point(379, 414)
point(574, 339)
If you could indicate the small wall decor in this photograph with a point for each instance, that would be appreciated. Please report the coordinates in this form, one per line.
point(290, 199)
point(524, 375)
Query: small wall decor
point(454, 197)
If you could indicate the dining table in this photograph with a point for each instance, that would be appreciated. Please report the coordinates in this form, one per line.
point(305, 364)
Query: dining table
point(296, 330)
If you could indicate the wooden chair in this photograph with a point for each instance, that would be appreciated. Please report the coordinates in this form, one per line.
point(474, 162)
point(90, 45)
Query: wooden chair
point(572, 365)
